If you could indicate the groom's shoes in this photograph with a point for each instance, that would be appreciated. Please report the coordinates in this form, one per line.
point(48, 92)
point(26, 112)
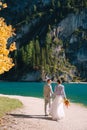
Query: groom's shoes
point(46, 114)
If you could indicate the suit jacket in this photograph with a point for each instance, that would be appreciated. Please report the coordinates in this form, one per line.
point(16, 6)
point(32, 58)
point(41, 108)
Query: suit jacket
point(47, 92)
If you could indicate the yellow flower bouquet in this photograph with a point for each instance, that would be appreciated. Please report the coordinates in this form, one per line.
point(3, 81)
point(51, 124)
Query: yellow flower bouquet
point(66, 103)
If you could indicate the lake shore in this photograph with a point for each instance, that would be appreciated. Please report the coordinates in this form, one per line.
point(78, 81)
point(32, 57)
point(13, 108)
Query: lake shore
point(79, 82)
point(31, 117)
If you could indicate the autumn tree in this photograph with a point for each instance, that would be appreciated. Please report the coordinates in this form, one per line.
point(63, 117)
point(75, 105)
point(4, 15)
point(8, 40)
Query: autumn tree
point(6, 63)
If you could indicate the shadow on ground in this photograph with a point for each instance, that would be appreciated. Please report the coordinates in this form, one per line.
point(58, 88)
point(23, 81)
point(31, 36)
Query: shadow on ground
point(32, 116)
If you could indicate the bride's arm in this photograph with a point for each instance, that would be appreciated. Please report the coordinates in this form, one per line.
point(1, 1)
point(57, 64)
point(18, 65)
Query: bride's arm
point(63, 92)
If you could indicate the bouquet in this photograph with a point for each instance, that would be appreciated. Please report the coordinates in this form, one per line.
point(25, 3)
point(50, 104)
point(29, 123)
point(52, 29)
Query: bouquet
point(66, 102)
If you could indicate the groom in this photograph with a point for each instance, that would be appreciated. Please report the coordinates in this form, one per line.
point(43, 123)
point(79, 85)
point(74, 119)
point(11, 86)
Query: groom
point(48, 92)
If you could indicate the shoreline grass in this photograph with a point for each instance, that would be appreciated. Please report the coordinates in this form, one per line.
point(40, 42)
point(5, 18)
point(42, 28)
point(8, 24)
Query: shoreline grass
point(8, 104)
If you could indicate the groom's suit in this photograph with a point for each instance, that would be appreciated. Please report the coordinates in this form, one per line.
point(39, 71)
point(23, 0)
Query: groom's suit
point(47, 96)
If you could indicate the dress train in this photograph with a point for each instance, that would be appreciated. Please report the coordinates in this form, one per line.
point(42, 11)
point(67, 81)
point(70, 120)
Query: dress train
point(57, 109)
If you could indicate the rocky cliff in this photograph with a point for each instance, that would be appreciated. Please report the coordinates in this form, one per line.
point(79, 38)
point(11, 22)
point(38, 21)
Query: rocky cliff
point(71, 23)
point(73, 31)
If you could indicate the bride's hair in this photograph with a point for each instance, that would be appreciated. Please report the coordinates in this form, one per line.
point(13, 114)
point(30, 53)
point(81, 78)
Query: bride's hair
point(48, 80)
point(59, 81)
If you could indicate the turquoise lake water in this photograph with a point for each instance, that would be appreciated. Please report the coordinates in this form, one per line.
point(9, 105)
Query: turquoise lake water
point(76, 92)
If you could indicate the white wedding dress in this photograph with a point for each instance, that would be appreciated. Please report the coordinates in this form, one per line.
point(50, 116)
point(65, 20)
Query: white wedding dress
point(57, 109)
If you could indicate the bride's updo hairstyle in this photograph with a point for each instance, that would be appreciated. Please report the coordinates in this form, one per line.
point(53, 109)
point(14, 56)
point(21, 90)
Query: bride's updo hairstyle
point(59, 81)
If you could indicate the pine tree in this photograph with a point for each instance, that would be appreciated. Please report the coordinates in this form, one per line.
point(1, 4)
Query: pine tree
point(58, 4)
point(22, 56)
point(53, 3)
point(37, 52)
point(33, 57)
point(29, 51)
point(35, 8)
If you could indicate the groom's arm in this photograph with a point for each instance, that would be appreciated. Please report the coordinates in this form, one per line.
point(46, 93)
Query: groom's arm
point(51, 91)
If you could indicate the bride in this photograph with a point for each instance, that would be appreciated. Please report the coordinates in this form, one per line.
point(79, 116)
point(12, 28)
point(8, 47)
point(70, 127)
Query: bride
point(57, 110)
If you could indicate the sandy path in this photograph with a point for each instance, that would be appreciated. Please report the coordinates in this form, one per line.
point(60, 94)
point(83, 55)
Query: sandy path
point(31, 117)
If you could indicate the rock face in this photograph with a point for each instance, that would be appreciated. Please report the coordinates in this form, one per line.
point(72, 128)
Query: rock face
point(72, 22)
point(82, 54)
point(32, 76)
point(73, 31)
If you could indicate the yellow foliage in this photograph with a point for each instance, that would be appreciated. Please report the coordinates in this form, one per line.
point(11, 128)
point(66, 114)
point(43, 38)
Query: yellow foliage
point(0, 3)
point(12, 47)
point(6, 63)
point(4, 5)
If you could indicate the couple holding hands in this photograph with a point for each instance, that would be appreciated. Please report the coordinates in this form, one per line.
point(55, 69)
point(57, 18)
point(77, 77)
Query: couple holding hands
point(55, 100)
